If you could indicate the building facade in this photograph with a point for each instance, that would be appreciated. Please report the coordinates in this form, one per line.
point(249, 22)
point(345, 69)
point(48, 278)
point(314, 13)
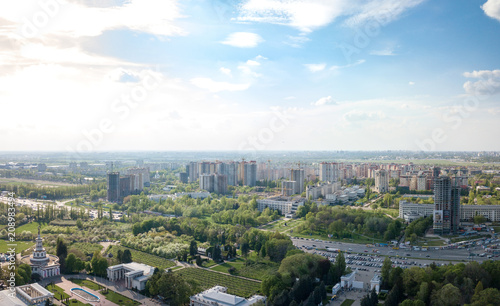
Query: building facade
point(135, 275)
point(41, 263)
point(381, 181)
point(446, 206)
point(285, 206)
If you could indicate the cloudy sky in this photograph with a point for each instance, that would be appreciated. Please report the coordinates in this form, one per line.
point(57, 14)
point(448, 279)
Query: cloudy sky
point(250, 75)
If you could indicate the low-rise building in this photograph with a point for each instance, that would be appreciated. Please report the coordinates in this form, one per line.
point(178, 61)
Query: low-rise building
point(284, 205)
point(135, 274)
point(218, 296)
point(31, 294)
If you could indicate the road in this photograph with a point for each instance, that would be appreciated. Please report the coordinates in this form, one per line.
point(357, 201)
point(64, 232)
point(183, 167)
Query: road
point(424, 257)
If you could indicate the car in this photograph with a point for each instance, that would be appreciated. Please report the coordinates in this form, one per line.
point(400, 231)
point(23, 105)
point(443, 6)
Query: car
point(427, 256)
point(366, 251)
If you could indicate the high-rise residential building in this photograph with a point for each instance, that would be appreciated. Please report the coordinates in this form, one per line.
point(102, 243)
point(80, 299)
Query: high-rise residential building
point(125, 186)
point(141, 177)
point(329, 172)
point(207, 182)
point(250, 174)
point(381, 181)
point(214, 182)
point(298, 176)
point(183, 177)
point(220, 183)
point(288, 188)
point(113, 186)
point(446, 206)
point(204, 168)
point(193, 172)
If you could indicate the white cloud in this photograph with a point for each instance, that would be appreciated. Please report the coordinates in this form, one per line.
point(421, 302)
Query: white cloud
point(296, 41)
point(315, 67)
point(225, 71)
point(411, 83)
point(488, 83)
point(243, 40)
point(492, 9)
point(380, 12)
point(74, 19)
point(214, 86)
point(383, 52)
point(324, 101)
point(358, 62)
point(252, 63)
point(308, 15)
point(357, 115)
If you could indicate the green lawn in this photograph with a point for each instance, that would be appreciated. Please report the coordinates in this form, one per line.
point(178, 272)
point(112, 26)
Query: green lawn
point(21, 246)
point(74, 302)
point(31, 227)
point(208, 264)
point(347, 302)
point(58, 292)
point(86, 283)
point(143, 257)
point(255, 269)
point(85, 247)
point(119, 299)
point(207, 279)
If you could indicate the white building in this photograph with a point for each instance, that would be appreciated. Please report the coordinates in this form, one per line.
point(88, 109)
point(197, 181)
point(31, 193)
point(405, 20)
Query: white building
point(375, 283)
point(41, 263)
point(135, 274)
point(412, 211)
point(285, 206)
point(381, 181)
point(321, 190)
point(218, 296)
point(349, 281)
point(31, 294)
point(490, 212)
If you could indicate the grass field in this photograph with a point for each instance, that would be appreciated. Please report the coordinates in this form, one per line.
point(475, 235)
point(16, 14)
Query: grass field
point(58, 292)
point(256, 270)
point(74, 302)
point(87, 248)
point(119, 299)
point(86, 283)
point(347, 302)
point(31, 227)
point(209, 263)
point(145, 258)
point(207, 279)
point(21, 246)
point(280, 225)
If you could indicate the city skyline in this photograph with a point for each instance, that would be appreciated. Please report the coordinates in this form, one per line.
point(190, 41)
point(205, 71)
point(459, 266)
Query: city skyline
point(250, 75)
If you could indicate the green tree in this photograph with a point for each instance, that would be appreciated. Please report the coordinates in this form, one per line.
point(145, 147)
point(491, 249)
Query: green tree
point(386, 271)
point(490, 296)
point(126, 256)
point(193, 248)
point(71, 263)
point(61, 252)
point(449, 295)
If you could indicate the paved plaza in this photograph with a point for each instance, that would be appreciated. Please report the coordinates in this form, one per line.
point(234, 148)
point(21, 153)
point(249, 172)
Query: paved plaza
point(64, 282)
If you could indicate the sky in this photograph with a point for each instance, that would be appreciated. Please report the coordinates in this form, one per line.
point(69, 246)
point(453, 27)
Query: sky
point(249, 75)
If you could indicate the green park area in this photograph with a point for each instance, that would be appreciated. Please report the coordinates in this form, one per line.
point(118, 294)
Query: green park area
point(118, 298)
point(257, 269)
point(58, 292)
point(207, 279)
point(86, 283)
point(143, 257)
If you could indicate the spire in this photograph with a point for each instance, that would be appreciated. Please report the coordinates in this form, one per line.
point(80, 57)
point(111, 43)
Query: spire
point(38, 230)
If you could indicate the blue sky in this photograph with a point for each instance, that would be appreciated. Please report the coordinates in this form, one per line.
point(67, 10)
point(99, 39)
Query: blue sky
point(250, 75)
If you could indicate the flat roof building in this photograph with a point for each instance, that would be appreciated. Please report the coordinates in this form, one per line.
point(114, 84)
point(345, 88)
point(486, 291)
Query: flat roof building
point(218, 296)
